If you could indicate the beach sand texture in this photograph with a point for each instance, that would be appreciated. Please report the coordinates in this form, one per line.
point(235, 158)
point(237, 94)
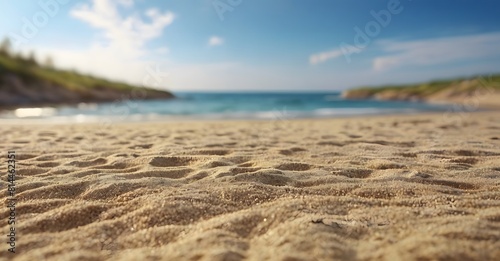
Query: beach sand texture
point(420, 187)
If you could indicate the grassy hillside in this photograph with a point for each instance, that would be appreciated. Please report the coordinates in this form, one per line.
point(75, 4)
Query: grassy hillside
point(427, 91)
point(24, 82)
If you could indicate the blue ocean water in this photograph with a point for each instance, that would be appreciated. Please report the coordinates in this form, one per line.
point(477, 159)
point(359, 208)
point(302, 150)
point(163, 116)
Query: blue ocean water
point(250, 105)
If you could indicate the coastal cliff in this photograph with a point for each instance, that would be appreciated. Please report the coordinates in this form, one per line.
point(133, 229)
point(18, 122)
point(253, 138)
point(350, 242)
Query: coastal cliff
point(485, 91)
point(24, 83)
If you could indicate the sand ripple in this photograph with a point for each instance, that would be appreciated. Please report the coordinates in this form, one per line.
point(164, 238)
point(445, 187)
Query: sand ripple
point(384, 188)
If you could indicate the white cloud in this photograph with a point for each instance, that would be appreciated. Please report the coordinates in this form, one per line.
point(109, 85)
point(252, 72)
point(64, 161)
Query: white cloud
point(437, 51)
point(335, 53)
point(127, 34)
point(325, 56)
point(103, 62)
point(422, 52)
point(215, 41)
point(121, 52)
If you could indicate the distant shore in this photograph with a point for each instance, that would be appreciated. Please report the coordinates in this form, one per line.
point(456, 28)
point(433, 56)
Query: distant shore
point(16, 92)
point(479, 92)
point(25, 83)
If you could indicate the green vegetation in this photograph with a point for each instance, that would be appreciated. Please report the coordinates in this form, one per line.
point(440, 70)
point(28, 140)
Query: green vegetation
point(424, 90)
point(28, 69)
point(44, 78)
point(32, 72)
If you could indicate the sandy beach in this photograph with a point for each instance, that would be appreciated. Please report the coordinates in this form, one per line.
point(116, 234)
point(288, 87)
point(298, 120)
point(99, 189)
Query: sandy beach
point(407, 187)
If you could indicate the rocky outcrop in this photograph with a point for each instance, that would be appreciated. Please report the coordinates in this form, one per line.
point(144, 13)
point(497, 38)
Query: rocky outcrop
point(383, 95)
point(357, 94)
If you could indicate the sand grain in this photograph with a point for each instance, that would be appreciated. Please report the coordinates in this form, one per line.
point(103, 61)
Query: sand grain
point(383, 188)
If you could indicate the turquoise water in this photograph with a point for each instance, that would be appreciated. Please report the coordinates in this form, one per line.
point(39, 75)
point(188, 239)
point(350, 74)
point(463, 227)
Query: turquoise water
point(196, 105)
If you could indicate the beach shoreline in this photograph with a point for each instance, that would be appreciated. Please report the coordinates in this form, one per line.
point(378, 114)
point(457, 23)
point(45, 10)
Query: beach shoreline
point(226, 105)
point(384, 187)
point(460, 109)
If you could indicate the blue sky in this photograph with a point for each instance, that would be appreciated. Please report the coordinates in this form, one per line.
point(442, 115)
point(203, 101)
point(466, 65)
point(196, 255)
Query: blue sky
point(260, 44)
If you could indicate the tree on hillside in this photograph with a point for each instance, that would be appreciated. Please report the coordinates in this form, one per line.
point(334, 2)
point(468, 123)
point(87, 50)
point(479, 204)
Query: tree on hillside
point(31, 58)
point(19, 57)
point(5, 46)
point(49, 63)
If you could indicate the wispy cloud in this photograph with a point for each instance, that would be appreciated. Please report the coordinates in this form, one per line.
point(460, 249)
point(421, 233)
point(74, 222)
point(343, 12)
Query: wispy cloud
point(322, 57)
point(128, 34)
point(215, 41)
point(437, 51)
point(422, 52)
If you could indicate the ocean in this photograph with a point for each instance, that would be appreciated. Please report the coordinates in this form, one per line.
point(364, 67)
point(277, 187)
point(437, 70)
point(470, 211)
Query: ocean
point(225, 105)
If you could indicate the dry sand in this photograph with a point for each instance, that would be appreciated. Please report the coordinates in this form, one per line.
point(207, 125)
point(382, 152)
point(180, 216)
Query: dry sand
point(422, 187)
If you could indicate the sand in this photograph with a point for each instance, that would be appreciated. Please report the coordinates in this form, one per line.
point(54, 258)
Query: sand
point(420, 187)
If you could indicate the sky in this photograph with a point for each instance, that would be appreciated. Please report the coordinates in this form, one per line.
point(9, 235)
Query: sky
point(262, 45)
